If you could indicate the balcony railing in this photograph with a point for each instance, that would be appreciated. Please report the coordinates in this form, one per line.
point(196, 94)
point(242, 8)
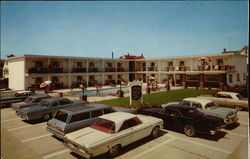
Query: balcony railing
point(78, 70)
point(57, 70)
point(120, 69)
point(38, 70)
point(110, 69)
point(152, 68)
point(93, 69)
point(217, 68)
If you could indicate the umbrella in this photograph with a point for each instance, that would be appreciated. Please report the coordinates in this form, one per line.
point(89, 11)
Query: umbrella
point(204, 59)
point(45, 83)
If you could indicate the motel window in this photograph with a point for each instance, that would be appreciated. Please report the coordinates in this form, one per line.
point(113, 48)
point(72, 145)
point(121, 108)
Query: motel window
point(109, 64)
point(38, 64)
point(55, 64)
point(193, 78)
point(119, 65)
point(110, 77)
point(79, 64)
point(91, 64)
point(219, 62)
point(230, 78)
point(212, 78)
point(182, 63)
point(238, 77)
point(170, 64)
point(79, 78)
point(55, 79)
point(38, 80)
point(152, 64)
point(244, 76)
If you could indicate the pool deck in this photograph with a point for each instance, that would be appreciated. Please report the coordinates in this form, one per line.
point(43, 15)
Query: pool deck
point(95, 98)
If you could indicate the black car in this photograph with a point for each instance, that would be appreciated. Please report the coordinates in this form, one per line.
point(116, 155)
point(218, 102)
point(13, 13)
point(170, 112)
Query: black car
point(189, 119)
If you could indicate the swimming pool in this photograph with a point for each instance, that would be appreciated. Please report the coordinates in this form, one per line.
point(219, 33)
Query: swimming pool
point(101, 91)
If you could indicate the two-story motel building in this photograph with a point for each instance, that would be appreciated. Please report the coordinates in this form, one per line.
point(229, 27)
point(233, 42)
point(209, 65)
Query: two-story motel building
point(212, 70)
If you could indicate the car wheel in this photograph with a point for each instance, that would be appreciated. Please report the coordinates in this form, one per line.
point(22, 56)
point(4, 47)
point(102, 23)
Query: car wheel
point(113, 151)
point(155, 132)
point(189, 130)
point(238, 107)
point(46, 116)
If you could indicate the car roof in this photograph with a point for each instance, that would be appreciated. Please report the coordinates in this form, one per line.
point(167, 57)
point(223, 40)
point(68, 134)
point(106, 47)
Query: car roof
point(229, 93)
point(118, 117)
point(23, 92)
point(179, 107)
point(203, 101)
point(54, 99)
point(84, 108)
point(39, 95)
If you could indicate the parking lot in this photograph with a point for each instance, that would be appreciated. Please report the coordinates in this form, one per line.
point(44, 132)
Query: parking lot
point(33, 138)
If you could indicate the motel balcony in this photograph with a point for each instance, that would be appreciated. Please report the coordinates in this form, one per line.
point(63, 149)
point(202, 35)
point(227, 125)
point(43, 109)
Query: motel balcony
point(92, 69)
point(120, 69)
point(110, 69)
point(152, 68)
point(110, 82)
point(182, 68)
point(56, 70)
point(170, 68)
point(38, 70)
point(79, 70)
point(216, 68)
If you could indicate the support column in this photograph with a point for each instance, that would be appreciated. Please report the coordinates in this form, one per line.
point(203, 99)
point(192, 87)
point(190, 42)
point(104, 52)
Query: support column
point(201, 80)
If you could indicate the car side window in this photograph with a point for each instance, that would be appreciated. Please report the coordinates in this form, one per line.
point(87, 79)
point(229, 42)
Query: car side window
point(196, 105)
point(96, 113)
point(55, 104)
point(107, 110)
point(37, 100)
point(186, 103)
point(228, 96)
point(176, 113)
point(79, 117)
point(130, 123)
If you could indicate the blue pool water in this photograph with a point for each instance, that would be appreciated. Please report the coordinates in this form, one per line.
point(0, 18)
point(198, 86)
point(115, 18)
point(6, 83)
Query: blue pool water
point(103, 91)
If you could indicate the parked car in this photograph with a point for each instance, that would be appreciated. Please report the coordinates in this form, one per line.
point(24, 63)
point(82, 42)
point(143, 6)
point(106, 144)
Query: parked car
point(188, 119)
point(46, 107)
point(228, 115)
point(111, 132)
point(16, 97)
point(29, 101)
point(71, 119)
point(229, 99)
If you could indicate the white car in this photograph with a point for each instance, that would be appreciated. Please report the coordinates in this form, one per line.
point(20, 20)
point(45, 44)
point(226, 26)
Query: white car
point(229, 99)
point(110, 132)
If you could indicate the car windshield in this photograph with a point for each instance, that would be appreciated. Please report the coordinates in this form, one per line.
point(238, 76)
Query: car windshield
point(211, 105)
point(104, 125)
point(62, 116)
point(28, 100)
point(193, 113)
point(239, 96)
point(44, 103)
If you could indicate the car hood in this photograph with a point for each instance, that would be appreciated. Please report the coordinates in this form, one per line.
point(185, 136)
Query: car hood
point(219, 111)
point(88, 137)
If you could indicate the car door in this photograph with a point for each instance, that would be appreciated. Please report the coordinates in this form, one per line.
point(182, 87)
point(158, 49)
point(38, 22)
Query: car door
point(176, 118)
point(125, 134)
point(78, 121)
point(229, 101)
point(170, 119)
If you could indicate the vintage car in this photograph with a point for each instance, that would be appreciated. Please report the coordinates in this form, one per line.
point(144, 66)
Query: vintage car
point(71, 119)
point(188, 119)
point(229, 115)
point(29, 101)
point(111, 132)
point(16, 97)
point(46, 107)
point(229, 99)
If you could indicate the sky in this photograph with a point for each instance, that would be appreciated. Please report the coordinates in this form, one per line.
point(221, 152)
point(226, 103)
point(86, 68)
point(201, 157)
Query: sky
point(98, 28)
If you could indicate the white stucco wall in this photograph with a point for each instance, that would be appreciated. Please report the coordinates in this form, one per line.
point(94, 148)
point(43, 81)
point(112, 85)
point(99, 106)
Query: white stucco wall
point(16, 74)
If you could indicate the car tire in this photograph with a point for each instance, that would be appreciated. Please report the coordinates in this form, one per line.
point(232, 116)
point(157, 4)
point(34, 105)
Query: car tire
point(46, 116)
point(238, 107)
point(189, 130)
point(114, 150)
point(155, 132)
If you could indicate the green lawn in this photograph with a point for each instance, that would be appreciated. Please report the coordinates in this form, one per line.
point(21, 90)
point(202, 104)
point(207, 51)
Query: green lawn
point(160, 97)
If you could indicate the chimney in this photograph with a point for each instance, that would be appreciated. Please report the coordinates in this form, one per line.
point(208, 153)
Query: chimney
point(112, 55)
point(141, 55)
point(224, 50)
